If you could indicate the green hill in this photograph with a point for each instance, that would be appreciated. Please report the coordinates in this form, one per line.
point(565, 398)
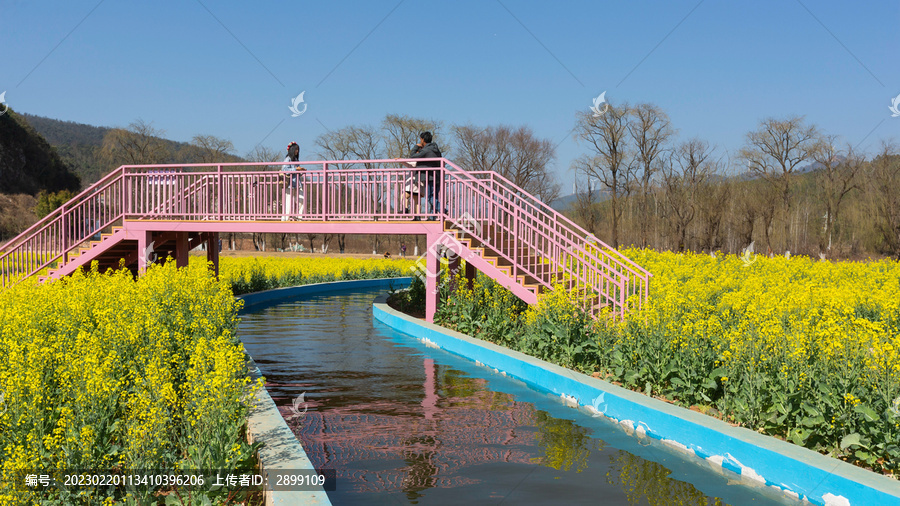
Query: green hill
point(28, 163)
point(79, 146)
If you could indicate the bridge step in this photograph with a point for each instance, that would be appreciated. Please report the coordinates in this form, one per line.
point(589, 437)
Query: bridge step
point(541, 271)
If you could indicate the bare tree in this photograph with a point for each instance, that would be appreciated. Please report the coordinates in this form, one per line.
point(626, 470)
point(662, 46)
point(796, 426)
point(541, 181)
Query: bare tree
point(606, 163)
point(713, 194)
point(883, 185)
point(585, 207)
point(745, 212)
point(514, 153)
point(774, 151)
point(765, 198)
point(211, 149)
point(352, 142)
point(837, 177)
point(263, 154)
point(311, 238)
point(687, 169)
point(650, 130)
point(259, 242)
point(401, 133)
point(139, 144)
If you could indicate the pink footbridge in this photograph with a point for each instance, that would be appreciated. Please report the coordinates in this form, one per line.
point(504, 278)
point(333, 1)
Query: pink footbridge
point(140, 213)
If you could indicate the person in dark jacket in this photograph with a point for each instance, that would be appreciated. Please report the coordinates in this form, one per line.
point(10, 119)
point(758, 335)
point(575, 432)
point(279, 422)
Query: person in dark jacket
point(430, 179)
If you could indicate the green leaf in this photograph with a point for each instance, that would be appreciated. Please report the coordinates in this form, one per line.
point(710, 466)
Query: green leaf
point(810, 410)
point(867, 412)
point(799, 436)
point(850, 439)
point(812, 421)
point(864, 456)
point(718, 372)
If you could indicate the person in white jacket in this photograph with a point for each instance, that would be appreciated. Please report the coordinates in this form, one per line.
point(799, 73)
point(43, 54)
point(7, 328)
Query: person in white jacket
point(293, 191)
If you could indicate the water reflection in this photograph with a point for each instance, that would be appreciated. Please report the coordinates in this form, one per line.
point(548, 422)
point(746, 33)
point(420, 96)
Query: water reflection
point(456, 423)
point(564, 444)
point(400, 422)
point(646, 482)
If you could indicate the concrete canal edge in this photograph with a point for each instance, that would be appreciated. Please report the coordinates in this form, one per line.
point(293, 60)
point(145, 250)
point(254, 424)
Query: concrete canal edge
point(255, 300)
point(282, 450)
point(760, 461)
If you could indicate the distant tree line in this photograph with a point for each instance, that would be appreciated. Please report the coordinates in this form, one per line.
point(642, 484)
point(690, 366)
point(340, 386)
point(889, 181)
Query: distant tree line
point(790, 189)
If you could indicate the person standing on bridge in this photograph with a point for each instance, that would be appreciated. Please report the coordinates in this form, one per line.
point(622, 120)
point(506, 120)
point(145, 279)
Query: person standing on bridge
point(430, 179)
point(293, 191)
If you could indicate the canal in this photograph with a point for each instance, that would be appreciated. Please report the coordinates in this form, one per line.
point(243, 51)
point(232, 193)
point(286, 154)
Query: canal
point(404, 423)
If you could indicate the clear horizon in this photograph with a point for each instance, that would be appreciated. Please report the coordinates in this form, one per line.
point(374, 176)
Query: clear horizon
point(232, 70)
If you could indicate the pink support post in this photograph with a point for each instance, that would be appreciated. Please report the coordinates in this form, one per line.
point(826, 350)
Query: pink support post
point(181, 249)
point(432, 267)
point(470, 275)
point(65, 246)
point(145, 251)
point(453, 267)
point(218, 206)
point(212, 251)
point(324, 192)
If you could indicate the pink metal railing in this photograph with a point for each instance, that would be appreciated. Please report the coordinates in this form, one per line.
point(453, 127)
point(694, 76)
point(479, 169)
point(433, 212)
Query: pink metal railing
point(53, 238)
point(559, 245)
point(556, 224)
point(537, 241)
point(328, 194)
point(530, 250)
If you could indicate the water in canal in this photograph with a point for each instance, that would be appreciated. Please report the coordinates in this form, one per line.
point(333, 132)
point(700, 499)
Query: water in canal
point(403, 423)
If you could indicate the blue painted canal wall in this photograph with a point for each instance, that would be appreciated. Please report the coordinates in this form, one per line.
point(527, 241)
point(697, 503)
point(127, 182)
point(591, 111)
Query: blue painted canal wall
point(257, 300)
point(760, 461)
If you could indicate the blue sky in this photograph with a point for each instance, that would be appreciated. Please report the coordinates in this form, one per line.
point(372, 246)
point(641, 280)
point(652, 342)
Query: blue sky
point(230, 69)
